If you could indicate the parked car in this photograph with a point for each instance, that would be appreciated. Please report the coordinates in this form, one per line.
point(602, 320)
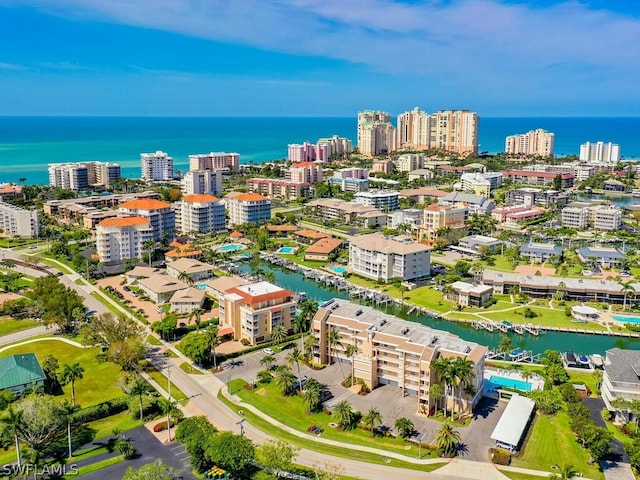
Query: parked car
point(268, 351)
point(300, 382)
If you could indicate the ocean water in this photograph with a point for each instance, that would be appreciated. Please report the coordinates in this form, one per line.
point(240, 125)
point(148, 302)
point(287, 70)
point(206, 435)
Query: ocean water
point(28, 144)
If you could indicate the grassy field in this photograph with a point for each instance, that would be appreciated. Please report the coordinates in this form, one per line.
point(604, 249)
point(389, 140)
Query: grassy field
point(551, 442)
point(546, 316)
point(293, 412)
point(105, 426)
point(105, 302)
point(100, 378)
point(265, 426)
point(9, 325)
point(16, 242)
point(177, 394)
point(187, 368)
point(94, 467)
point(520, 476)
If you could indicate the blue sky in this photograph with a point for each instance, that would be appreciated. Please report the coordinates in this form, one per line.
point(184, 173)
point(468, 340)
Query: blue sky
point(319, 57)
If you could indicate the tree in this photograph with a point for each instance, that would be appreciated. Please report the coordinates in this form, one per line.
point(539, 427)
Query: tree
point(343, 413)
point(444, 368)
point(234, 453)
point(50, 366)
point(463, 373)
point(565, 472)
point(312, 394)
point(55, 302)
point(526, 375)
point(196, 346)
point(127, 353)
point(151, 471)
point(71, 373)
point(196, 312)
point(447, 439)
point(194, 433)
point(268, 361)
point(106, 330)
point(12, 421)
point(627, 289)
point(334, 339)
point(547, 401)
point(43, 418)
point(278, 334)
point(597, 376)
point(350, 352)
point(436, 392)
point(285, 380)
point(68, 411)
point(170, 409)
point(372, 419)
point(149, 246)
point(214, 341)
point(404, 426)
point(309, 344)
point(276, 455)
point(138, 388)
point(553, 367)
point(295, 357)
point(506, 345)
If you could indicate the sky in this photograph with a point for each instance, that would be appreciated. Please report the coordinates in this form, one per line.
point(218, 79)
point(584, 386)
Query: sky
point(319, 57)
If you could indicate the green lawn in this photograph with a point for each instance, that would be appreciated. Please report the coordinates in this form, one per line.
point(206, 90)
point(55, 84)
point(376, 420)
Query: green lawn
point(105, 426)
point(153, 340)
point(520, 476)
point(177, 394)
point(46, 258)
point(265, 426)
point(99, 297)
point(551, 442)
point(16, 242)
point(293, 412)
point(546, 316)
point(100, 378)
point(94, 467)
point(187, 368)
point(9, 325)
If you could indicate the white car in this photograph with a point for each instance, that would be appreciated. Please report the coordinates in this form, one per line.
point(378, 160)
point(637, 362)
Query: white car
point(268, 351)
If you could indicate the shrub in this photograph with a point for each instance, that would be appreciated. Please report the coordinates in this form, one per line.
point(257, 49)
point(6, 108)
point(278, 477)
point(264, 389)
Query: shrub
point(102, 410)
point(491, 301)
point(499, 456)
point(264, 376)
point(162, 426)
point(606, 414)
point(244, 341)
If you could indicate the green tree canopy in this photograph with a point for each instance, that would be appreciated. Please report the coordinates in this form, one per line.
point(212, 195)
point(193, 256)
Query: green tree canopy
point(151, 471)
point(234, 453)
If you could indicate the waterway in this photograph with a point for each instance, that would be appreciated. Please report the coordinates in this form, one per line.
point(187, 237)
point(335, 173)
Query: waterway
point(562, 342)
point(619, 200)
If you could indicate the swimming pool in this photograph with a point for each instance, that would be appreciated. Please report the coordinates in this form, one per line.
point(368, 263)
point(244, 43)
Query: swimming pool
point(625, 319)
point(287, 250)
point(202, 286)
point(495, 382)
point(339, 270)
point(230, 248)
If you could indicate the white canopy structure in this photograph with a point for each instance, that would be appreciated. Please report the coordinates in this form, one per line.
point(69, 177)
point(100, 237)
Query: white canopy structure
point(513, 422)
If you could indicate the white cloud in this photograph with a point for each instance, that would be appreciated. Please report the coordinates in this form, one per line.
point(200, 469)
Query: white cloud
point(11, 66)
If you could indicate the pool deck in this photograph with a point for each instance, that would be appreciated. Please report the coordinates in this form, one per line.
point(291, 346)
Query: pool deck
point(536, 381)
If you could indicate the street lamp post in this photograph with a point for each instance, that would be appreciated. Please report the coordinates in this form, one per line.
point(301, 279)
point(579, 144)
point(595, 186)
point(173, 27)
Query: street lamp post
point(420, 446)
point(169, 380)
point(229, 383)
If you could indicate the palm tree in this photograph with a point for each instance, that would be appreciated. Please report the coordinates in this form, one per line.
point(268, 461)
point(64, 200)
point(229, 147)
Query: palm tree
point(295, 357)
point(350, 352)
point(312, 394)
point(68, 410)
point(372, 419)
point(139, 388)
point(526, 375)
point(71, 373)
point(196, 312)
point(597, 375)
point(343, 413)
point(444, 368)
point(278, 334)
point(12, 421)
point(309, 343)
point(334, 338)
point(214, 341)
point(269, 276)
point(565, 472)
point(447, 439)
point(285, 380)
point(186, 278)
point(463, 371)
point(436, 392)
point(149, 246)
point(267, 361)
point(169, 408)
point(506, 345)
point(627, 289)
point(404, 426)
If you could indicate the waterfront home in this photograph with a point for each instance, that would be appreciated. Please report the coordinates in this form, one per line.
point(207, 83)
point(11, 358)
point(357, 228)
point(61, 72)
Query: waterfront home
point(469, 295)
point(621, 379)
point(604, 257)
point(540, 252)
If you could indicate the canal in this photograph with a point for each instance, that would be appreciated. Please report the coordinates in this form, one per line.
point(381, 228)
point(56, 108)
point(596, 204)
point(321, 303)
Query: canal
point(579, 343)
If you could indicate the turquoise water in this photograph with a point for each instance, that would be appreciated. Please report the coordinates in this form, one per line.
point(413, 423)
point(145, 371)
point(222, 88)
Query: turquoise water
point(27, 144)
point(230, 248)
point(496, 382)
point(202, 286)
point(286, 250)
point(625, 319)
point(339, 269)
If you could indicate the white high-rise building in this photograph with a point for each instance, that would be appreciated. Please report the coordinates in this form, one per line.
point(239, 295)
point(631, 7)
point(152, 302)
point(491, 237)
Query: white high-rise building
point(414, 130)
point(19, 222)
point(200, 213)
point(160, 215)
point(156, 166)
point(215, 161)
point(247, 208)
point(69, 176)
point(600, 152)
point(121, 238)
point(534, 142)
point(207, 182)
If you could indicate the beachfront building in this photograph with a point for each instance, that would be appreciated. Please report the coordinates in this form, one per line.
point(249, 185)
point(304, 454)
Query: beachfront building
point(197, 271)
point(455, 131)
point(480, 183)
point(573, 289)
point(207, 182)
point(215, 161)
point(414, 130)
point(534, 142)
point(540, 252)
point(247, 208)
point(18, 222)
point(385, 200)
point(161, 216)
point(379, 257)
point(308, 152)
point(604, 257)
point(542, 179)
point(200, 213)
point(530, 197)
point(376, 133)
point(83, 175)
point(156, 166)
point(336, 146)
point(122, 238)
point(278, 188)
point(600, 152)
point(253, 311)
point(21, 371)
point(304, 172)
point(620, 379)
point(392, 351)
point(469, 295)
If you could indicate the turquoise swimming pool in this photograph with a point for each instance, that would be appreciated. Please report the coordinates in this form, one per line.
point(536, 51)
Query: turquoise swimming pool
point(230, 248)
point(287, 250)
point(625, 319)
point(497, 382)
point(202, 286)
point(339, 270)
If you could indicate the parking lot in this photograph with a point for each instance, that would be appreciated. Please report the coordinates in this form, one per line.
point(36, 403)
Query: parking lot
point(386, 398)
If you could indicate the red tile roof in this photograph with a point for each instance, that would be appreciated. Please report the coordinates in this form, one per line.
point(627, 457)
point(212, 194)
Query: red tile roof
point(145, 204)
point(123, 221)
point(200, 198)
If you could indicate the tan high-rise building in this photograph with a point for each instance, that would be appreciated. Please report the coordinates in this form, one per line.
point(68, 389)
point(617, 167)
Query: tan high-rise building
point(414, 130)
point(534, 142)
point(376, 134)
point(442, 216)
point(455, 131)
point(215, 161)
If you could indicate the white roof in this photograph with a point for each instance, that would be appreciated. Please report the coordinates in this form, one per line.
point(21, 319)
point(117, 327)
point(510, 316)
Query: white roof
point(584, 310)
point(513, 421)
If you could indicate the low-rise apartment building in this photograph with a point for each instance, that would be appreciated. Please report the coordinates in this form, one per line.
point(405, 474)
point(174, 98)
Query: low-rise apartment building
point(160, 288)
point(353, 185)
point(523, 177)
point(207, 182)
point(384, 258)
point(305, 172)
point(121, 238)
point(469, 295)
point(392, 351)
point(474, 242)
point(385, 200)
point(18, 222)
point(196, 270)
point(604, 257)
point(256, 309)
point(540, 252)
point(276, 188)
point(480, 183)
point(535, 196)
point(424, 194)
point(247, 208)
point(349, 213)
point(200, 213)
point(474, 203)
point(438, 217)
point(583, 216)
